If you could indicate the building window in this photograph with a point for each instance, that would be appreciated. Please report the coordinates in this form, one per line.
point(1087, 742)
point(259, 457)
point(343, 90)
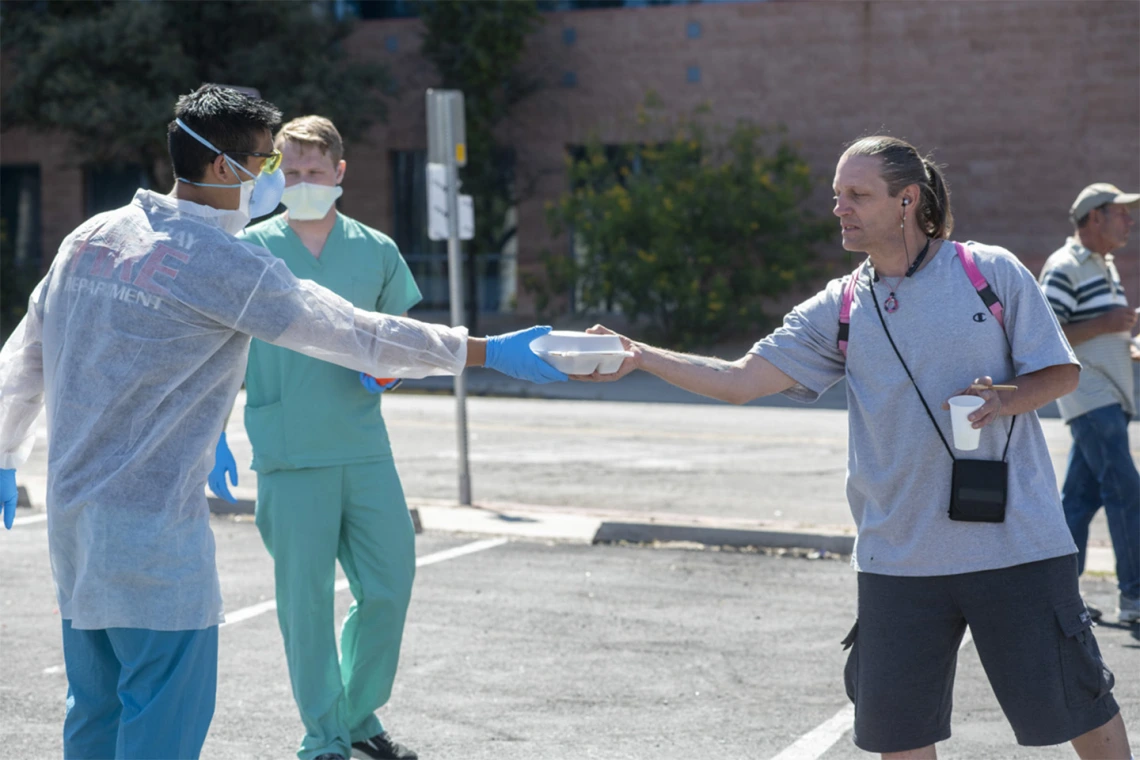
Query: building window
point(381, 9)
point(20, 212)
point(579, 5)
point(693, 30)
point(427, 258)
point(111, 187)
point(20, 254)
point(569, 35)
point(593, 5)
point(621, 162)
point(496, 272)
point(569, 79)
point(693, 75)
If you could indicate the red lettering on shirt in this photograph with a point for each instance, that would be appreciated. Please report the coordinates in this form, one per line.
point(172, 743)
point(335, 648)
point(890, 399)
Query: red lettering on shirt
point(73, 264)
point(104, 264)
point(155, 264)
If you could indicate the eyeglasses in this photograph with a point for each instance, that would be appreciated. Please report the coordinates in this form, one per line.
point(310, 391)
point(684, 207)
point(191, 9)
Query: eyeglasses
point(270, 161)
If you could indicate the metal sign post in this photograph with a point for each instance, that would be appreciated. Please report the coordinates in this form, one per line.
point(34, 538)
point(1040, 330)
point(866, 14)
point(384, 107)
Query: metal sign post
point(447, 146)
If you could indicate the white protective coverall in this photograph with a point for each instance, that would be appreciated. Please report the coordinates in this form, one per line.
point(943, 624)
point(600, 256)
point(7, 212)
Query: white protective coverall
point(136, 343)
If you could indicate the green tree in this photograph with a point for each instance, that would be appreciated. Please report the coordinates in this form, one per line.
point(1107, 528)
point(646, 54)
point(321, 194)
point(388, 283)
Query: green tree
point(107, 73)
point(476, 48)
point(690, 233)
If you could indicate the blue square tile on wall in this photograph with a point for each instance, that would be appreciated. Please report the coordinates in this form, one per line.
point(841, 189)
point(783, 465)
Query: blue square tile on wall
point(391, 43)
point(693, 30)
point(569, 35)
point(693, 75)
point(569, 79)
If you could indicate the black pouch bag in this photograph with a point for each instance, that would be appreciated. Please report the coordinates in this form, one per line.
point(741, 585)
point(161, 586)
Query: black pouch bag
point(977, 486)
point(978, 489)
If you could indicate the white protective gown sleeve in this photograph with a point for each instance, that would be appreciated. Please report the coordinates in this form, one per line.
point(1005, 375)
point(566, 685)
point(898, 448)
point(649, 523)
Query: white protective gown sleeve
point(305, 317)
point(135, 344)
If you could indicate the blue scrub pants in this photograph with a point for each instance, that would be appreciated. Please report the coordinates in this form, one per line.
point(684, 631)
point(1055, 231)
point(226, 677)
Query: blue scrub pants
point(138, 694)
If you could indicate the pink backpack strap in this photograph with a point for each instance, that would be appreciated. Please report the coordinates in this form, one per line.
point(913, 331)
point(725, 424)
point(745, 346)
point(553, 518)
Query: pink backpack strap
point(845, 307)
point(989, 298)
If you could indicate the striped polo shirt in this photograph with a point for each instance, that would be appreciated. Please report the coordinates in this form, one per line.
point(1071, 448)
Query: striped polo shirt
point(1080, 285)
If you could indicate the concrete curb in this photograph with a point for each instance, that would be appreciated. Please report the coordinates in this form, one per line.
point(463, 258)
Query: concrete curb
point(642, 533)
point(223, 507)
point(594, 526)
point(248, 507)
point(602, 526)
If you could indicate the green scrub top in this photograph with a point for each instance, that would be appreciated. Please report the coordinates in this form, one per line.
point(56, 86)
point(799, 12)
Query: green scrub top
point(304, 412)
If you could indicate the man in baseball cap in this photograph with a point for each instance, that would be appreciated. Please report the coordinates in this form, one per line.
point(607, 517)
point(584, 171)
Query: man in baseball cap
point(1098, 195)
point(1083, 287)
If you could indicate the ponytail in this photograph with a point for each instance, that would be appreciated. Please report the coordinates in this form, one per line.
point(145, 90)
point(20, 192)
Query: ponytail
point(934, 214)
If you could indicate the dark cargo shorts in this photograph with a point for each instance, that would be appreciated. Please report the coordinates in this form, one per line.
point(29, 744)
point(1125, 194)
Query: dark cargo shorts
point(1033, 636)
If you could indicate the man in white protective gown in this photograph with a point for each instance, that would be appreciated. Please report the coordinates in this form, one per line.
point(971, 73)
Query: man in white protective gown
point(135, 342)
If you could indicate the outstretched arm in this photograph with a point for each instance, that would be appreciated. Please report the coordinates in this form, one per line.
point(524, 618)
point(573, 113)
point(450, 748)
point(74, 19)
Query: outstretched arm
point(736, 382)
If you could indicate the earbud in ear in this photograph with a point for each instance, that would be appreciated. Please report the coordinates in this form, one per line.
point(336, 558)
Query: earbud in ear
point(906, 201)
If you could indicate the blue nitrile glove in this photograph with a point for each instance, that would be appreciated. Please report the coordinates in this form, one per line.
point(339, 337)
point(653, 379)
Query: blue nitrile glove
point(223, 463)
point(8, 496)
point(376, 386)
point(511, 354)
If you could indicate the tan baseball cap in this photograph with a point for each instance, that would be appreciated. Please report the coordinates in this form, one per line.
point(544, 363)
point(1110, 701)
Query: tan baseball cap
point(1098, 194)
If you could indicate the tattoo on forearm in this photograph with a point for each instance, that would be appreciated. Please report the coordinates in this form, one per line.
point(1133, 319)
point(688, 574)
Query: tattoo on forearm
point(709, 362)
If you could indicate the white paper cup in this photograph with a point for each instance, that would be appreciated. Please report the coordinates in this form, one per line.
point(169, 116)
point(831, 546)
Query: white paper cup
point(966, 437)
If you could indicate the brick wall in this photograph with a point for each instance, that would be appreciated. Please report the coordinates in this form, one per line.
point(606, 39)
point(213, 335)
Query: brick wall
point(1025, 102)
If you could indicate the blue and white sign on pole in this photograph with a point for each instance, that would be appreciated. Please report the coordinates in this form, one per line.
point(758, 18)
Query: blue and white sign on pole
point(438, 226)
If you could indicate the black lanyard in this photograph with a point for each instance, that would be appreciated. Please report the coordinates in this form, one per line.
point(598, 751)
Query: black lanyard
point(1009, 435)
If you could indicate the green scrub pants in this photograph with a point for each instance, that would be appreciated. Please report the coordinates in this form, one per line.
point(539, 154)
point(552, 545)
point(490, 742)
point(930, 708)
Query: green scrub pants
point(309, 519)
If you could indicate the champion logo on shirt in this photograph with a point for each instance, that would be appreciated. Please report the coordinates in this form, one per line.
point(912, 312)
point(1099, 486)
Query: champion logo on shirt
point(980, 316)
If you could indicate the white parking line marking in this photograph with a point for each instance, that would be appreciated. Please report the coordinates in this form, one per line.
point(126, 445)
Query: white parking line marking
point(820, 739)
point(245, 613)
point(29, 520)
point(459, 551)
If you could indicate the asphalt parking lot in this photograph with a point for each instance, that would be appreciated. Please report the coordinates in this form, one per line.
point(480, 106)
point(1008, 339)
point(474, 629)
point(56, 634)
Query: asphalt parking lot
point(546, 649)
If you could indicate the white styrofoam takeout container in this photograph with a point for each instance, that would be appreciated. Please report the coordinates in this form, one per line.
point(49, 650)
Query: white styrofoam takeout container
point(584, 363)
point(579, 353)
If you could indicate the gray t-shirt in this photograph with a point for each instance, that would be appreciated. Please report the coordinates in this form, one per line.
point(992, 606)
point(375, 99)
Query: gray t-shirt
point(898, 471)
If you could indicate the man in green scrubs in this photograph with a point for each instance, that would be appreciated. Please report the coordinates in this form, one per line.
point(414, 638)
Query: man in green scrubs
point(327, 486)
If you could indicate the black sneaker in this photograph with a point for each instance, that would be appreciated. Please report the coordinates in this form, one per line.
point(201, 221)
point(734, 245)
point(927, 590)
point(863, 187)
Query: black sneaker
point(381, 747)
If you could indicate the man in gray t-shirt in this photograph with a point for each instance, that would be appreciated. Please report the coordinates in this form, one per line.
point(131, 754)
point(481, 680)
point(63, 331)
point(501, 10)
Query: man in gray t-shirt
point(922, 327)
point(898, 477)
